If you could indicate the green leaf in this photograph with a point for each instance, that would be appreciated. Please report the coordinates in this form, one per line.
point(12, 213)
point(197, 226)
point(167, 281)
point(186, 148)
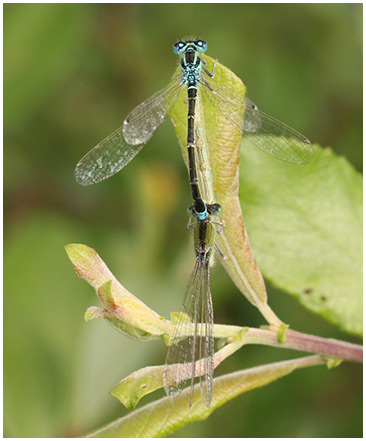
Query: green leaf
point(168, 414)
point(218, 152)
point(305, 224)
point(131, 389)
point(124, 311)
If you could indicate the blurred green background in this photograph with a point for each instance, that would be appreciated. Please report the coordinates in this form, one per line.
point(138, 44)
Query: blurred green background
point(72, 72)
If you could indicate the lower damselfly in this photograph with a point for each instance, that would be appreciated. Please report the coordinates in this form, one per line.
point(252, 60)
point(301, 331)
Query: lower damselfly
point(118, 149)
point(191, 351)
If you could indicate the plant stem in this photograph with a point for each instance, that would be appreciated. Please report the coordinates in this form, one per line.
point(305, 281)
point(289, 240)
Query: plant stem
point(307, 343)
point(325, 346)
point(294, 340)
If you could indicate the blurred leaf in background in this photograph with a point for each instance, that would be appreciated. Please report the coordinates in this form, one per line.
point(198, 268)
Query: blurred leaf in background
point(310, 218)
point(72, 72)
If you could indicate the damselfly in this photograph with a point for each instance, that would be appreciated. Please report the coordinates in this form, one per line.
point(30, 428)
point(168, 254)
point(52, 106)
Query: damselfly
point(118, 149)
point(191, 353)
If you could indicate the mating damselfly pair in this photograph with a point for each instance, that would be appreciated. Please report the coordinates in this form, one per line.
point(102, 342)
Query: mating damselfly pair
point(191, 353)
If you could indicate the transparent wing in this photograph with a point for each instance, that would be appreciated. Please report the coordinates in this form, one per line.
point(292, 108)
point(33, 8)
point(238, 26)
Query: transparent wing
point(141, 123)
point(206, 342)
point(274, 137)
point(180, 361)
point(118, 149)
point(192, 355)
point(105, 159)
point(224, 99)
point(265, 132)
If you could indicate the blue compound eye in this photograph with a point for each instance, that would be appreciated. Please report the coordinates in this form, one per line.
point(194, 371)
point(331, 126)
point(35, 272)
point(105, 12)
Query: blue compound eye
point(178, 47)
point(201, 45)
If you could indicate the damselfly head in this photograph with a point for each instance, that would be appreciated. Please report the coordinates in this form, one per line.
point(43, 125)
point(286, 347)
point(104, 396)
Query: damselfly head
point(180, 47)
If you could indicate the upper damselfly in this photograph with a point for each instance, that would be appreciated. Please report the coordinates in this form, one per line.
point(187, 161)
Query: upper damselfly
point(118, 149)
